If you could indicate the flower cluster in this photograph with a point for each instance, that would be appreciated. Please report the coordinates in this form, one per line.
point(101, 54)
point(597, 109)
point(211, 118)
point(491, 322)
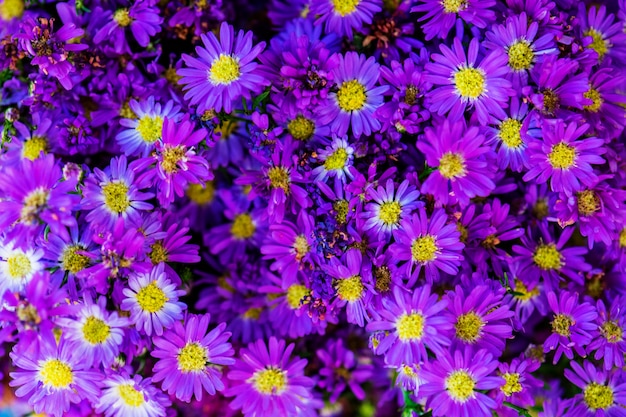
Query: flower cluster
point(313, 208)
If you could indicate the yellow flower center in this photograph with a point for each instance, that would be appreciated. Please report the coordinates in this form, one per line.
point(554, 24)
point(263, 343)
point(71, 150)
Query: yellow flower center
point(390, 212)
point(253, 313)
point(270, 381)
point(172, 155)
point(521, 55)
point(595, 96)
point(460, 385)
point(452, 165)
point(541, 209)
point(383, 279)
point(598, 43)
point(588, 202)
point(345, 7)
point(622, 238)
point(151, 298)
point(523, 293)
point(126, 112)
point(33, 203)
point(224, 70)
point(350, 289)
point(28, 314)
point(56, 373)
point(337, 160)
point(201, 195)
point(116, 196)
point(351, 96)
point(171, 76)
point(301, 246)
point(34, 146)
point(226, 128)
point(561, 324)
point(301, 128)
point(562, 155)
point(468, 327)
point(72, 261)
point(463, 230)
point(511, 385)
point(510, 133)
point(424, 249)
point(547, 257)
point(192, 358)
point(279, 178)
point(410, 95)
point(19, 266)
point(470, 82)
point(158, 253)
point(243, 226)
point(95, 330)
point(130, 396)
point(122, 18)
point(341, 207)
point(454, 6)
point(598, 397)
point(296, 294)
point(611, 331)
point(150, 128)
point(10, 9)
point(551, 101)
point(410, 327)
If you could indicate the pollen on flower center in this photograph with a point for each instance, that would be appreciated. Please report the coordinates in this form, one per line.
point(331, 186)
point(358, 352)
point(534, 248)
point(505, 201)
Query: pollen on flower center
point(547, 257)
point(72, 261)
point(56, 373)
point(561, 324)
point(150, 128)
point(10, 9)
point(510, 133)
point(224, 70)
point(468, 327)
point(126, 112)
point(122, 18)
point(19, 266)
point(296, 294)
point(151, 298)
point(172, 155)
point(350, 289)
point(562, 155)
point(512, 384)
point(337, 160)
point(301, 246)
point(410, 327)
point(33, 204)
point(34, 146)
point(470, 82)
point(598, 397)
point(158, 253)
point(424, 249)
point(270, 381)
point(201, 195)
point(383, 279)
point(596, 98)
point(130, 395)
point(598, 43)
point(521, 55)
point(612, 332)
point(243, 226)
point(390, 212)
point(622, 238)
point(588, 202)
point(451, 165)
point(345, 7)
point(460, 385)
point(279, 178)
point(192, 358)
point(301, 128)
point(351, 96)
point(341, 207)
point(95, 330)
point(116, 196)
point(551, 101)
point(410, 94)
point(522, 292)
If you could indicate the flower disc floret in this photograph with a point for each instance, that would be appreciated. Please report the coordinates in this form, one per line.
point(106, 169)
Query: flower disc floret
point(56, 373)
point(10, 9)
point(598, 43)
point(596, 98)
point(512, 383)
point(224, 70)
point(34, 146)
point(510, 133)
point(337, 160)
point(470, 82)
point(19, 266)
point(460, 385)
point(73, 261)
point(588, 202)
point(562, 156)
point(151, 298)
point(296, 294)
point(243, 226)
point(122, 17)
point(279, 178)
point(95, 330)
point(351, 96)
point(150, 128)
point(130, 396)
point(561, 324)
point(410, 327)
point(192, 358)
point(345, 7)
point(270, 381)
point(598, 397)
point(116, 196)
point(451, 165)
point(424, 249)
point(521, 55)
point(612, 331)
point(548, 257)
point(468, 327)
point(301, 128)
point(350, 289)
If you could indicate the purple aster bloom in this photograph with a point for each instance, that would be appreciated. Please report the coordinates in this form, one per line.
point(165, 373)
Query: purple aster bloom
point(267, 381)
point(53, 376)
point(336, 161)
point(143, 19)
point(526, 296)
point(412, 322)
point(564, 157)
point(519, 383)
point(356, 99)
point(607, 35)
point(610, 344)
point(342, 369)
point(604, 392)
point(463, 163)
point(18, 265)
point(229, 143)
point(606, 113)
point(152, 301)
point(452, 382)
point(342, 17)
point(177, 163)
point(427, 243)
point(441, 16)
point(224, 71)
point(479, 318)
point(463, 83)
point(40, 138)
point(572, 324)
point(113, 194)
point(189, 355)
point(126, 396)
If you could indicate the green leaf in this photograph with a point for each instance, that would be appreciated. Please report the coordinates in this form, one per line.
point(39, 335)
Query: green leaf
point(261, 97)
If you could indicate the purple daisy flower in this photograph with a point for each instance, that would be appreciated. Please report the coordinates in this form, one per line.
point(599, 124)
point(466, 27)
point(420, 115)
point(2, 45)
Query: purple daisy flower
point(607, 35)
point(289, 306)
point(462, 160)
point(610, 345)
point(606, 112)
point(18, 265)
point(126, 396)
point(152, 301)
point(336, 161)
point(224, 71)
point(526, 297)
point(463, 83)
point(188, 355)
point(519, 383)
point(441, 16)
point(564, 157)
point(411, 322)
point(452, 381)
point(427, 243)
point(342, 17)
point(604, 392)
point(356, 99)
point(267, 381)
point(572, 324)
